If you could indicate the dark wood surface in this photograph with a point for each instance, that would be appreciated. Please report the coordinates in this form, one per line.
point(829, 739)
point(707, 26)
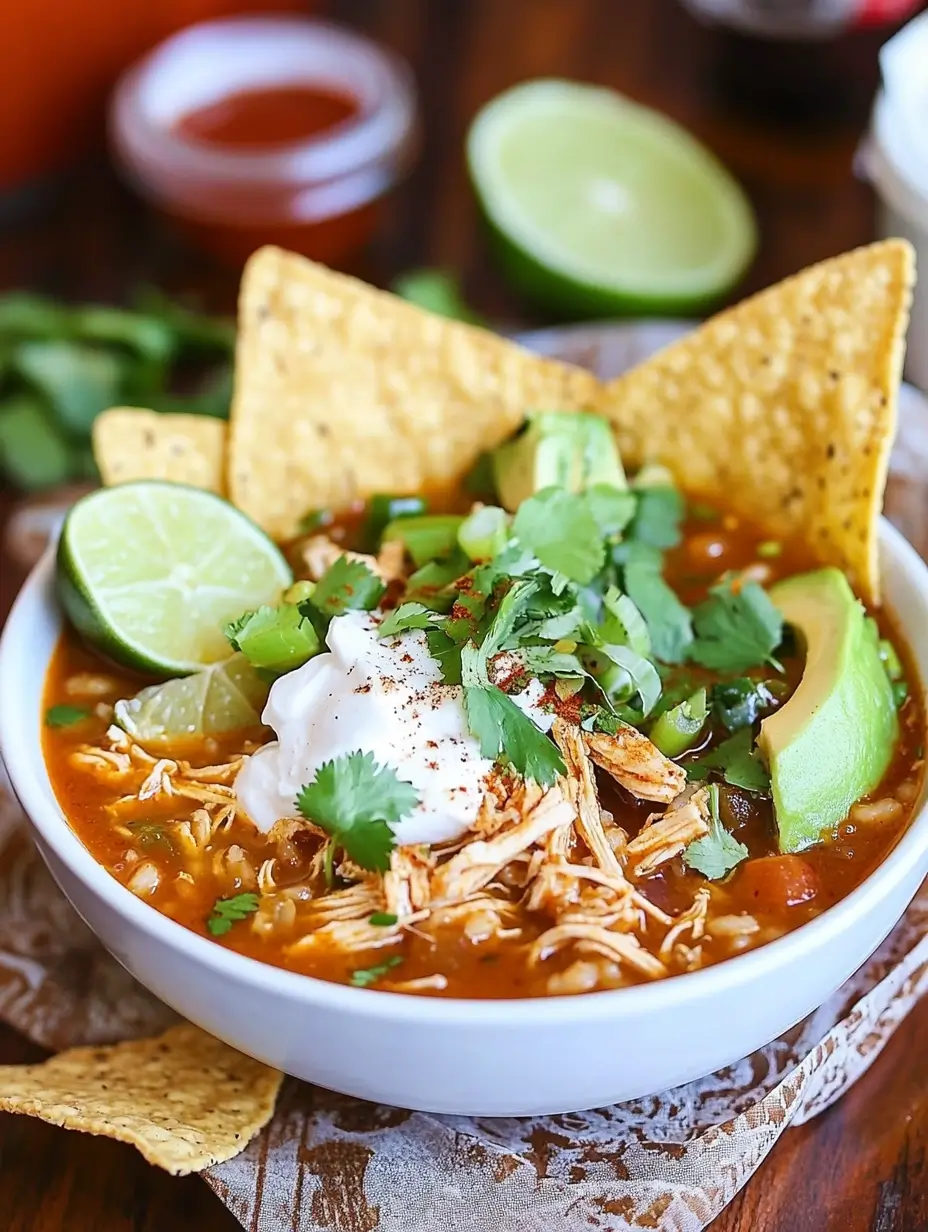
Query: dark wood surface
point(861, 1166)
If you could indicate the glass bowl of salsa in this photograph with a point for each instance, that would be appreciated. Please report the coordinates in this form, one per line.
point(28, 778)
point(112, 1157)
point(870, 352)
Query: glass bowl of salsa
point(261, 130)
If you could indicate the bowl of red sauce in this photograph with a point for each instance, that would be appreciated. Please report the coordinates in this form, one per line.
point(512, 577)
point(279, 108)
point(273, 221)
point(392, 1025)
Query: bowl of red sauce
point(256, 130)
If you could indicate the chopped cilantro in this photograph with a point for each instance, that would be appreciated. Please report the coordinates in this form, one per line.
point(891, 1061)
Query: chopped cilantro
point(719, 852)
point(632, 670)
point(612, 508)
point(669, 622)
point(658, 516)
point(625, 623)
point(739, 703)
point(737, 761)
point(64, 715)
point(370, 975)
point(274, 639)
point(736, 629)
point(447, 652)
point(559, 528)
point(504, 732)
point(226, 911)
point(346, 585)
point(382, 919)
point(356, 802)
point(407, 616)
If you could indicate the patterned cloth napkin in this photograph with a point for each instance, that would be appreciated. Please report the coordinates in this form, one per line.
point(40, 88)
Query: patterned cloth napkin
point(330, 1163)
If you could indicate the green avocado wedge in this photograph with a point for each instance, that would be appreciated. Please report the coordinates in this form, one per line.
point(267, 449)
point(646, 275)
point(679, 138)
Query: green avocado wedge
point(574, 450)
point(832, 742)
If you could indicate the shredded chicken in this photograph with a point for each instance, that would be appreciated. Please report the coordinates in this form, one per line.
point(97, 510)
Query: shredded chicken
point(475, 865)
point(406, 884)
point(594, 939)
point(391, 560)
point(692, 921)
point(580, 788)
point(636, 764)
point(665, 836)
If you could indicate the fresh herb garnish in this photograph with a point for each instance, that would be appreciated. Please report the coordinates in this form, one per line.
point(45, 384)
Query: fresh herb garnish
point(559, 528)
point(356, 802)
point(382, 919)
point(669, 622)
point(719, 852)
point(226, 911)
point(739, 703)
point(347, 585)
point(736, 629)
point(504, 732)
point(612, 508)
point(658, 515)
point(64, 715)
point(274, 639)
point(370, 975)
point(737, 761)
point(407, 616)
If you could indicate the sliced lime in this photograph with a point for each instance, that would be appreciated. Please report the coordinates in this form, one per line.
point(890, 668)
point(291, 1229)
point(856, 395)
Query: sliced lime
point(224, 697)
point(150, 573)
point(600, 205)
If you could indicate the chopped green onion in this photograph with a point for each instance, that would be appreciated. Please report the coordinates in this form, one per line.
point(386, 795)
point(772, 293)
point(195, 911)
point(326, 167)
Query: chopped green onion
point(484, 533)
point(65, 716)
point(382, 919)
point(313, 520)
point(678, 729)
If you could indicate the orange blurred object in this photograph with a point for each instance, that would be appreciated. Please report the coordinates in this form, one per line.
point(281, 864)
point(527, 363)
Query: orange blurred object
point(263, 130)
point(59, 59)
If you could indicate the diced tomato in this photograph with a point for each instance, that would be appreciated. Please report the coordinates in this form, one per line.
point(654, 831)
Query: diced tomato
point(775, 882)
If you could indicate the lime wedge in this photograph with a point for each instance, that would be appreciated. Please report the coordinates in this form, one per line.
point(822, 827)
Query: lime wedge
point(600, 206)
point(150, 573)
point(221, 698)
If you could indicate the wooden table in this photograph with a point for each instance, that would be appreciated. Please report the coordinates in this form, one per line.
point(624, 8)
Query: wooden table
point(863, 1164)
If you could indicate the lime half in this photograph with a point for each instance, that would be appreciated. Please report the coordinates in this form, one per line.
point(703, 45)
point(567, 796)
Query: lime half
point(150, 573)
point(224, 697)
point(600, 205)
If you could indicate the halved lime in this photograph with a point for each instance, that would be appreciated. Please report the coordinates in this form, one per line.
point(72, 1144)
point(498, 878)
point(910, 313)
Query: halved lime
point(600, 205)
point(220, 698)
point(151, 572)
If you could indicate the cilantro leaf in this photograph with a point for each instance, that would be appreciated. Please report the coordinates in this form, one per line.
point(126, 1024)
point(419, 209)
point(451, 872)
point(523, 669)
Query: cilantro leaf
point(274, 639)
point(736, 759)
point(407, 616)
point(625, 623)
point(719, 852)
point(151, 834)
point(669, 622)
point(356, 802)
point(505, 733)
point(612, 508)
point(736, 630)
point(448, 654)
point(64, 715)
point(558, 527)
point(658, 516)
point(346, 585)
point(739, 703)
point(633, 669)
point(370, 975)
point(226, 911)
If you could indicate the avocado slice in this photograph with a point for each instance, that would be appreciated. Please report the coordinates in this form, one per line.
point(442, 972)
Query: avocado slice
point(832, 742)
point(566, 449)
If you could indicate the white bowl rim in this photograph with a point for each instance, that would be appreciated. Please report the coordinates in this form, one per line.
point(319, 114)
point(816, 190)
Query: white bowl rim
point(22, 753)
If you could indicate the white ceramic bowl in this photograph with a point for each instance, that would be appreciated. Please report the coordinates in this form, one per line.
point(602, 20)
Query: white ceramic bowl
point(490, 1058)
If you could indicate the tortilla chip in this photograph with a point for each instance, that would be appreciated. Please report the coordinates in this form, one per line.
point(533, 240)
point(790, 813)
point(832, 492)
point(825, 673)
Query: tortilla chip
point(136, 444)
point(184, 1099)
point(784, 407)
point(342, 391)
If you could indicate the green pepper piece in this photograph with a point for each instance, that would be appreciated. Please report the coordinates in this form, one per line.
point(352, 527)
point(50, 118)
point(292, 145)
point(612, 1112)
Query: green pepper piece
point(426, 538)
point(678, 728)
point(484, 533)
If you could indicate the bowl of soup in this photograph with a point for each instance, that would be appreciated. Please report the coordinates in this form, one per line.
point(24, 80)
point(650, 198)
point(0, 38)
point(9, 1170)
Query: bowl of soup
point(536, 786)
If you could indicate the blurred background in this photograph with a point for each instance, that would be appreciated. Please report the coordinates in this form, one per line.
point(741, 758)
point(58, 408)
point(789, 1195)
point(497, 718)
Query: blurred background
point(144, 154)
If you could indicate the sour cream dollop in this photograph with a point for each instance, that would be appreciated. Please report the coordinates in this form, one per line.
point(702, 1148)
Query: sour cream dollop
point(383, 696)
